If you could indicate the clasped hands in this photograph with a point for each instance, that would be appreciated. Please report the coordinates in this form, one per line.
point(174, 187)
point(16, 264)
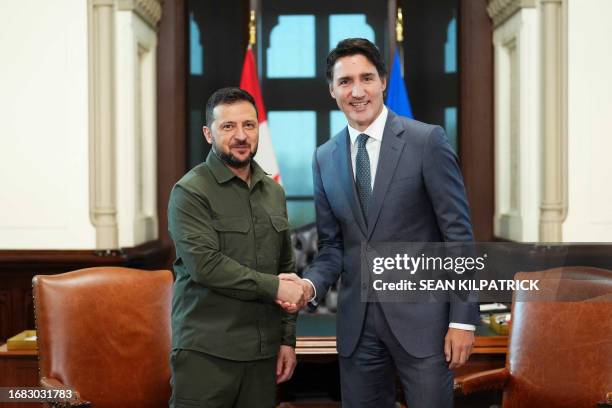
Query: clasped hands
point(293, 292)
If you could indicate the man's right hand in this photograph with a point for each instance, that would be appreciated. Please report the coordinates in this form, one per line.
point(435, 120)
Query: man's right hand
point(290, 292)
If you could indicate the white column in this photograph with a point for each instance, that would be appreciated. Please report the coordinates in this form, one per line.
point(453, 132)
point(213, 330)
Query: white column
point(103, 207)
point(516, 119)
point(123, 42)
point(553, 209)
point(136, 121)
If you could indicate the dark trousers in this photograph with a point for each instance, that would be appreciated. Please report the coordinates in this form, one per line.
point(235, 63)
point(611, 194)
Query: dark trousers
point(368, 376)
point(202, 380)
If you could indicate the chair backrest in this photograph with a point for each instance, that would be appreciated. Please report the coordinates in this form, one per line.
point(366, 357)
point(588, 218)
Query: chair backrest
point(105, 332)
point(560, 352)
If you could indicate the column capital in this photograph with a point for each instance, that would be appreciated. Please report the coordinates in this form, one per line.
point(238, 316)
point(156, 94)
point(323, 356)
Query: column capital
point(502, 10)
point(102, 3)
point(149, 10)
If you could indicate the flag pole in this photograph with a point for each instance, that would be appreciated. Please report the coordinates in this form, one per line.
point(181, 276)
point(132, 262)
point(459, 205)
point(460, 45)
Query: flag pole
point(252, 30)
point(399, 35)
point(397, 95)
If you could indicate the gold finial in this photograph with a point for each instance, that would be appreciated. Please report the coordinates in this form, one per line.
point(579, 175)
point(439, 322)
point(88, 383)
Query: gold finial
point(252, 28)
point(399, 26)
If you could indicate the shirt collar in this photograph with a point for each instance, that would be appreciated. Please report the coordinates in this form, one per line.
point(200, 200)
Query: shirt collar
point(375, 130)
point(222, 173)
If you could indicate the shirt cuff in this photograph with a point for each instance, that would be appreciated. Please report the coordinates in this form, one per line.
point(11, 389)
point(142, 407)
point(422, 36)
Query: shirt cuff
point(314, 290)
point(268, 285)
point(462, 326)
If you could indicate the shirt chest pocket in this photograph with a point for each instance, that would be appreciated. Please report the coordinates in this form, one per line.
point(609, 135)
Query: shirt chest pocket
point(279, 222)
point(234, 240)
point(276, 235)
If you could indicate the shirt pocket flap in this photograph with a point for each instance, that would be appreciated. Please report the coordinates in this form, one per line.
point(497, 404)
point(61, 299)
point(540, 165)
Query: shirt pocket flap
point(279, 222)
point(233, 224)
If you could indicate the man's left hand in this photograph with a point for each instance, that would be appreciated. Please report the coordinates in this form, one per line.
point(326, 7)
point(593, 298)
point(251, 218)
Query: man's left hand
point(458, 345)
point(285, 364)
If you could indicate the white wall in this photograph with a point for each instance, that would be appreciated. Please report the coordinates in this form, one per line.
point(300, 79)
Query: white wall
point(45, 133)
point(44, 125)
point(589, 121)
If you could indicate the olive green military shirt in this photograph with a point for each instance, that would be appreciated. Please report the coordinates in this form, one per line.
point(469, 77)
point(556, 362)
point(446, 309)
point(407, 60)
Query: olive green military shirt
point(231, 241)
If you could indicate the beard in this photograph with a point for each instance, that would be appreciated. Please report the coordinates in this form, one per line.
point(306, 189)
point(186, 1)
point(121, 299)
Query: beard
point(231, 160)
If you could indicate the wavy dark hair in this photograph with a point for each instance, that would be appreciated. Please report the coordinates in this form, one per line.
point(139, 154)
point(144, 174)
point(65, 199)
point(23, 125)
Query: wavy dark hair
point(355, 46)
point(227, 96)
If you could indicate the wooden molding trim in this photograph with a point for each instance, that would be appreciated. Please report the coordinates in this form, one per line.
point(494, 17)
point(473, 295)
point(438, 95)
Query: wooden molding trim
point(149, 255)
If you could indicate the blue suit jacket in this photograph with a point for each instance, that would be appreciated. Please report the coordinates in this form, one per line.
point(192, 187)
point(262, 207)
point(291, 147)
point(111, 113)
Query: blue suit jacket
point(418, 196)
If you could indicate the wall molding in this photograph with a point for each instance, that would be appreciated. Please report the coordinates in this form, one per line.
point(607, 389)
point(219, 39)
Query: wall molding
point(502, 10)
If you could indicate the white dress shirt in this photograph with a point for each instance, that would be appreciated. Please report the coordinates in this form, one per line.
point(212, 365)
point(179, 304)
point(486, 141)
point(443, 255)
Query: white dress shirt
point(375, 132)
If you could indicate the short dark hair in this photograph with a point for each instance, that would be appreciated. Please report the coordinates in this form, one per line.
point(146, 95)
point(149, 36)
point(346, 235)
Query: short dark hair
point(227, 96)
point(355, 46)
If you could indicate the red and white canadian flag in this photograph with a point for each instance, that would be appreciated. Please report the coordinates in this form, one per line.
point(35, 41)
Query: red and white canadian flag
point(250, 83)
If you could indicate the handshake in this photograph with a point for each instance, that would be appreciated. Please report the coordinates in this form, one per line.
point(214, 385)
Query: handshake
point(293, 292)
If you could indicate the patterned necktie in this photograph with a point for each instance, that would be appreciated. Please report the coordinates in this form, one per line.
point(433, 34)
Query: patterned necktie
point(363, 178)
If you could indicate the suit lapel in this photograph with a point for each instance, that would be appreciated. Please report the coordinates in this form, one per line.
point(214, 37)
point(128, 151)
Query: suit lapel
point(390, 152)
point(342, 155)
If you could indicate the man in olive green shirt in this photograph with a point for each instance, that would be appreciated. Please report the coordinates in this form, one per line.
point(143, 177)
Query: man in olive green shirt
point(231, 340)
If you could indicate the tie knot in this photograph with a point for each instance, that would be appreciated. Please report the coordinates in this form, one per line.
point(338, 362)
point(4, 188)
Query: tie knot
point(361, 140)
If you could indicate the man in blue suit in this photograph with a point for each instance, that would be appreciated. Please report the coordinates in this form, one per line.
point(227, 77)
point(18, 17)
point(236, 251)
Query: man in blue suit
point(386, 178)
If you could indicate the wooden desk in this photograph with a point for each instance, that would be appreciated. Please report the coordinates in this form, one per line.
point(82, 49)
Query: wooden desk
point(317, 373)
point(18, 369)
point(316, 341)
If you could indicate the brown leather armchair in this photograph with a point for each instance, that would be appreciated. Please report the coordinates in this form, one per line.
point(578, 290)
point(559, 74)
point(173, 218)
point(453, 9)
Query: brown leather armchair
point(105, 333)
point(559, 352)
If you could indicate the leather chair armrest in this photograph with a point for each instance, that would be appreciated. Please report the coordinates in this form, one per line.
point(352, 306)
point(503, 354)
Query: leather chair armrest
point(484, 380)
point(74, 402)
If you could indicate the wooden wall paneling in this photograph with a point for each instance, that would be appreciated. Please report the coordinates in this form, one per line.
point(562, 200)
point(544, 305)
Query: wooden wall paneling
point(171, 108)
point(17, 268)
point(15, 306)
point(476, 113)
point(5, 312)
